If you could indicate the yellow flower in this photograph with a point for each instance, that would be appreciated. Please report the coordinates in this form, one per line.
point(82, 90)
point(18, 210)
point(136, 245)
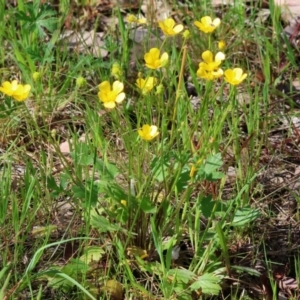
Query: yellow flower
point(209, 69)
point(146, 85)
point(153, 61)
point(209, 75)
point(211, 64)
point(208, 25)
point(111, 95)
point(133, 19)
point(18, 91)
point(169, 27)
point(148, 132)
point(235, 76)
point(221, 45)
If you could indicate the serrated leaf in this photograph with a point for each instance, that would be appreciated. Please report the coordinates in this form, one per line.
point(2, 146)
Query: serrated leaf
point(103, 225)
point(92, 253)
point(208, 283)
point(181, 275)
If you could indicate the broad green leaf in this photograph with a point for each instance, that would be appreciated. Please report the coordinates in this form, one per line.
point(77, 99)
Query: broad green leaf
point(182, 275)
point(244, 216)
point(87, 192)
point(207, 205)
point(103, 225)
point(208, 283)
point(147, 206)
point(108, 170)
point(209, 168)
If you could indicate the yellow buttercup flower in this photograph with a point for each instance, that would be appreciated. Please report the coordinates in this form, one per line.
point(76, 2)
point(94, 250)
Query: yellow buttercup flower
point(209, 69)
point(210, 63)
point(169, 27)
point(18, 91)
point(146, 85)
point(133, 19)
point(221, 45)
point(153, 61)
point(110, 95)
point(208, 25)
point(235, 76)
point(148, 132)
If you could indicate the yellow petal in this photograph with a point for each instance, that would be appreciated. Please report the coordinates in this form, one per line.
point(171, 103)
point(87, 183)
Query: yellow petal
point(178, 28)
point(207, 56)
point(14, 85)
point(219, 56)
point(118, 87)
point(169, 22)
point(105, 86)
point(164, 59)
point(216, 22)
point(120, 97)
point(206, 21)
point(154, 52)
point(109, 104)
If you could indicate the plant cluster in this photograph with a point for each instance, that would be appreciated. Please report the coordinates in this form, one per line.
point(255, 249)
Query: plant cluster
point(162, 189)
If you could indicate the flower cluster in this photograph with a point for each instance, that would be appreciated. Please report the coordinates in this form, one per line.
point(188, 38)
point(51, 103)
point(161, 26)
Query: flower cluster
point(13, 89)
point(210, 69)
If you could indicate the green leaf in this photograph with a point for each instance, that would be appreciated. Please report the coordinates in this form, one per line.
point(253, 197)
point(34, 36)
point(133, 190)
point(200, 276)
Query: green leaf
point(182, 275)
point(209, 169)
point(147, 206)
point(103, 225)
point(208, 283)
point(87, 192)
point(108, 170)
point(183, 180)
point(207, 206)
point(245, 215)
point(92, 253)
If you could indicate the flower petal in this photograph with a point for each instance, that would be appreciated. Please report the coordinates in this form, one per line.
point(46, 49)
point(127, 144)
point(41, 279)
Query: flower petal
point(178, 28)
point(109, 104)
point(120, 97)
point(105, 86)
point(220, 56)
point(118, 87)
point(164, 59)
point(216, 22)
point(206, 21)
point(207, 56)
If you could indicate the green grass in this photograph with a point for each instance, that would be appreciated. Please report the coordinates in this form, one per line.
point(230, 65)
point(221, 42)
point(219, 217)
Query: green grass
point(102, 220)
